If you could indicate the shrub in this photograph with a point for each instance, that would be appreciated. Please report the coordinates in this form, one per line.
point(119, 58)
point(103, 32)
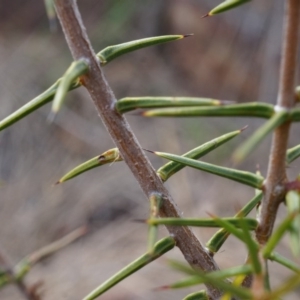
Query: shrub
point(250, 280)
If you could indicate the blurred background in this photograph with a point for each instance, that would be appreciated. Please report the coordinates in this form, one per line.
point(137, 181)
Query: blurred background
point(232, 56)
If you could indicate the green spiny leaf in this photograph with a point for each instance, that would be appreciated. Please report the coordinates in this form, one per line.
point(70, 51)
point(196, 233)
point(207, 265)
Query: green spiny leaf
point(184, 283)
point(34, 104)
point(194, 279)
point(202, 295)
point(5, 279)
point(182, 267)
point(292, 154)
point(107, 157)
point(226, 5)
point(277, 235)
point(295, 114)
point(285, 287)
point(247, 178)
point(241, 292)
point(71, 76)
point(111, 52)
point(251, 143)
point(50, 9)
point(274, 256)
point(251, 223)
point(293, 206)
point(155, 203)
point(160, 248)
point(22, 268)
point(252, 246)
point(169, 169)
point(230, 228)
point(131, 103)
point(218, 239)
point(251, 109)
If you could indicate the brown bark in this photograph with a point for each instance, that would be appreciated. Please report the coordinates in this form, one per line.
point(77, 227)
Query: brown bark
point(274, 187)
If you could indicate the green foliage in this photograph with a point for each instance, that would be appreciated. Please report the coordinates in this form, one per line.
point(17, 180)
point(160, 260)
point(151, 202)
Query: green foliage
point(240, 226)
point(226, 5)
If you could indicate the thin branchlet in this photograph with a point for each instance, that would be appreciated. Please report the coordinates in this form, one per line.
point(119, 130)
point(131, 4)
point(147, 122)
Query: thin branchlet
point(274, 188)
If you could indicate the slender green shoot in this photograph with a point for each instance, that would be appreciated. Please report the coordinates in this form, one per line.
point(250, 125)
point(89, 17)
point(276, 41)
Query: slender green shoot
point(251, 109)
point(251, 143)
point(247, 178)
point(111, 52)
point(160, 248)
point(170, 168)
point(202, 295)
point(274, 256)
point(292, 154)
point(277, 235)
point(73, 73)
point(293, 206)
point(109, 156)
point(253, 247)
point(295, 114)
point(218, 239)
point(251, 223)
point(51, 14)
point(226, 5)
point(194, 279)
point(155, 203)
point(131, 103)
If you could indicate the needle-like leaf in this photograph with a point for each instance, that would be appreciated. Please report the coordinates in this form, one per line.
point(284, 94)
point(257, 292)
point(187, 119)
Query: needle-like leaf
point(277, 235)
point(155, 203)
point(160, 248)
point(274, 256)
point(226, 5)
point(202, 295)
point(285, 287)
point(107, 157)
point(247, 178)
point(131, 103)
point(251, 143)
point(111, 52)
point(251, 223)
point(293, 206)
point(34, 104)
point(251, 109)
point(252, 246)
point(184, 283)
point(218, 239)
point(76, 69)
point(240, 292)
point(217, 278)
point(292, 154)
point(194, 279)
point(170, 168)
point(295, 114)
point(51, 14)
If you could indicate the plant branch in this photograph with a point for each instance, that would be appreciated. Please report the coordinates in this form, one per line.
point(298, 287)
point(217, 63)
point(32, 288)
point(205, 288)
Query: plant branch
point(120, 131)
point(18, 283)
point(276, 176)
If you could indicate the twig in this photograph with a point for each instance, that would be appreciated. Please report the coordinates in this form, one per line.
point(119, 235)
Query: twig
point(274, 187)
point(57, 245)
point(19, 283)
point(120, 131)
point(17, 273)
